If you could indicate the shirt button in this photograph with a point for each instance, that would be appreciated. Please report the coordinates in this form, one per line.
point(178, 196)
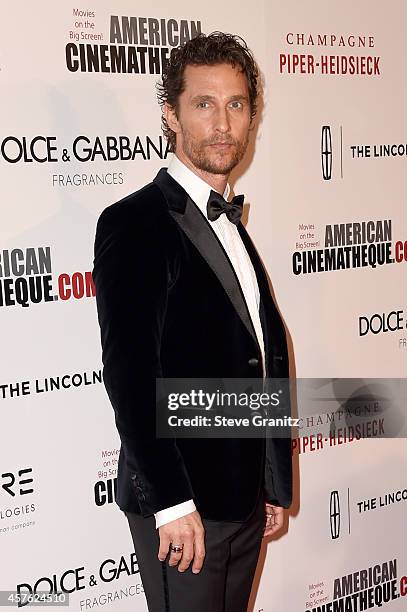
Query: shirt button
point(253, 361)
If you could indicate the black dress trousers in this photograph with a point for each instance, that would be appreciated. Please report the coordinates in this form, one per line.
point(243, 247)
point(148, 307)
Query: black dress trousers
point(225, 580)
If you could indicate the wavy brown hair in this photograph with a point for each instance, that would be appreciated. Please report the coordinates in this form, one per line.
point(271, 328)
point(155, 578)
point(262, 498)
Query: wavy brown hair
point(211, 49)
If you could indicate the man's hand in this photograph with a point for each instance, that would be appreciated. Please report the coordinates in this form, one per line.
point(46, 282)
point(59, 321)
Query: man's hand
point(274, 519)
point(188, 532)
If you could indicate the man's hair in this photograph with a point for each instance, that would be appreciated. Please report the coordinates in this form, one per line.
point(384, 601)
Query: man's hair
point(208, 50)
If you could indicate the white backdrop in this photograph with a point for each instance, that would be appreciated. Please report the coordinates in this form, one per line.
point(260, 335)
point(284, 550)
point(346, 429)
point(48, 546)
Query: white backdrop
point(58, 521)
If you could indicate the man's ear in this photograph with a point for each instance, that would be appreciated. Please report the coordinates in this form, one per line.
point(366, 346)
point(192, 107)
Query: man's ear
point(171, 117)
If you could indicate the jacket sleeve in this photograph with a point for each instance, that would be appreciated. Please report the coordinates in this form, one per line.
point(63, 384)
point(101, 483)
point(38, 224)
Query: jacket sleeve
point(278, 468)
point(131, 278)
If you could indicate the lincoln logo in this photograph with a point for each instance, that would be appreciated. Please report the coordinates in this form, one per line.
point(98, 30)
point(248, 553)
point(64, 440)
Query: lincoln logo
point(334, 514)
point(326, 152)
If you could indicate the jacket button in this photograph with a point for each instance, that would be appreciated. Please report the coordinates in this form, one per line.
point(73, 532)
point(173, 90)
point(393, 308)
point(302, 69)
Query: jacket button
point(253, 361)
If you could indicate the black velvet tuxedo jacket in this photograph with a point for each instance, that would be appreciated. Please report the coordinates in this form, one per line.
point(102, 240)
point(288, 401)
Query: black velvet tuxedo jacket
point(170, 305)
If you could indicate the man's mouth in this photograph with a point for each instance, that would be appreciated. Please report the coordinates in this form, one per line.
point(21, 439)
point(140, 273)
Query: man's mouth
point(221, 144)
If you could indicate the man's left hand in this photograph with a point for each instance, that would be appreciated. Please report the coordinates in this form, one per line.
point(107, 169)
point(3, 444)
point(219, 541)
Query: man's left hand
point(274, 519)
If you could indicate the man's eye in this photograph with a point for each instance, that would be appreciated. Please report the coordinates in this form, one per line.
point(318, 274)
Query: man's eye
point(236, 104)
point(203, 104)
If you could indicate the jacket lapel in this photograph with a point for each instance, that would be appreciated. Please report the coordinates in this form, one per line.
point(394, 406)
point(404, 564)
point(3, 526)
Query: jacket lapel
point(271, 321)
point(195, 226)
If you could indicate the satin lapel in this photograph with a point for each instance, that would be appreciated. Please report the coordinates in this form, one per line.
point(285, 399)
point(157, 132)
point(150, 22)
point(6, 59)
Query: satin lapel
point(255, 259)
point(205, 240)
point(264, 290)
point(272, 323)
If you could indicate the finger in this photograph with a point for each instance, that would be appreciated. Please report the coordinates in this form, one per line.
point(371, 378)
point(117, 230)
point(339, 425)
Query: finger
point(277, 523)
point(187, 556)
point(267, 526)
point(163, 548)
point(199, 553)
point(175, 558)
point(279, 519)
point(274, 519)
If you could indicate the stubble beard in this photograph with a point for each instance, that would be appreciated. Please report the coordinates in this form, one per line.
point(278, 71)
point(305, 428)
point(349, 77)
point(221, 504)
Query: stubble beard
point(198, 152)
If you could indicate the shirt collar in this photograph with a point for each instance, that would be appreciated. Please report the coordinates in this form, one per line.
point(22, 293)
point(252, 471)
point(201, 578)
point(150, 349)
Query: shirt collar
point(197, 189)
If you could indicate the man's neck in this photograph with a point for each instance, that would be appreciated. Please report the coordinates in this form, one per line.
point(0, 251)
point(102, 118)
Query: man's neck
point(218, 182)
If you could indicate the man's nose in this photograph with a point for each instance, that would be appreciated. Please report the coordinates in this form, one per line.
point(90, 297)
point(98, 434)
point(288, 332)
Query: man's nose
point(222, 121)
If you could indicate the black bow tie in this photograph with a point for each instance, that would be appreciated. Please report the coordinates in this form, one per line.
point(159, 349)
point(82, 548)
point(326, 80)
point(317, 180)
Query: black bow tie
point(217, 205)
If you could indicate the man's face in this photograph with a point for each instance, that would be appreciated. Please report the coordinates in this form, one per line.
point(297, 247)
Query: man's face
point(213, 118)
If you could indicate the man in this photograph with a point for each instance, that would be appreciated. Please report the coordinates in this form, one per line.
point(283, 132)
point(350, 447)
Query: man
point(181, 293)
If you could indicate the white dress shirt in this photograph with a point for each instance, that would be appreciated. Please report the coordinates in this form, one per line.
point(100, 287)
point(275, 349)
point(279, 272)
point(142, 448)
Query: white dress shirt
point(228, 235)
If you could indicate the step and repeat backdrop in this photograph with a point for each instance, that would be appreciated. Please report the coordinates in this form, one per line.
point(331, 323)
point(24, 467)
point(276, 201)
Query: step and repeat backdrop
point(325, 184)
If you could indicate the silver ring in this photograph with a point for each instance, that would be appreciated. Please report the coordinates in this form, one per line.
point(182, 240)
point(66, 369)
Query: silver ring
point(177, 548)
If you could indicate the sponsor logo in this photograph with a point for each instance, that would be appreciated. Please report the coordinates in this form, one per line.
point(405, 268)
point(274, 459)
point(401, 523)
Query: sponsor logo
point(47, 384)
point(326, 152)
point(384, 500)
point(348, 245)
point(367, 151)
point(381, 322)
point(357, 151)
point(26, 279)
point(294, 61)
point(15, 485)
point(334, 514)
point(83, 149)
point(366, 588)
point(79, 578)
point(105, 489)
point(137, 45)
